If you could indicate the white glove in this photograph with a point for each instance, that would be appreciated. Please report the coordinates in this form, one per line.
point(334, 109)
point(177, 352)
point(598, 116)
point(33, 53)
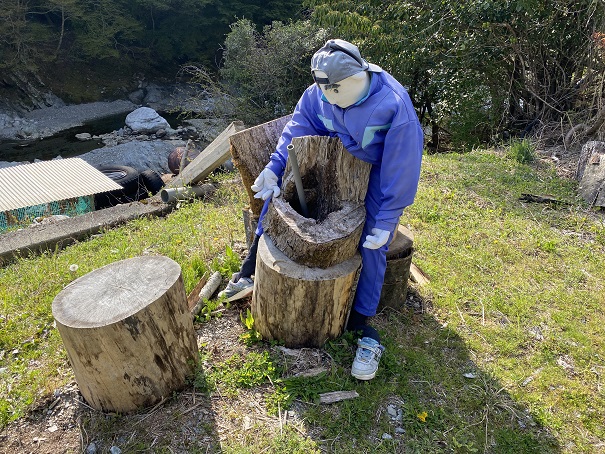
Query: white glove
point(377, 240)
point(265, 185)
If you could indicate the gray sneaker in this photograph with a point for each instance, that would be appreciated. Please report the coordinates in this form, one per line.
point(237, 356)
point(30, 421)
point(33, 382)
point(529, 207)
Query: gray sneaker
point(238, 290)
point(367, 358)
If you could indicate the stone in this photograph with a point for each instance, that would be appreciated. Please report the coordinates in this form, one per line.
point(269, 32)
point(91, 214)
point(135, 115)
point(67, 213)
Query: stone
point(153, 95)
point(136, 97)
point(83, 136)
point(145, 120)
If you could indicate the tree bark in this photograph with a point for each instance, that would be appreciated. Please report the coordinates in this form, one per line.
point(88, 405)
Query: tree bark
point(299, 305)
point(589, 149)
point(591, 172)
point(128, 332)
point(251, 150)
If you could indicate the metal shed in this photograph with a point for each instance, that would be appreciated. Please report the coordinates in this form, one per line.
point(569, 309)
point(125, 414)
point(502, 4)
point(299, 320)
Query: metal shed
point(62, 186)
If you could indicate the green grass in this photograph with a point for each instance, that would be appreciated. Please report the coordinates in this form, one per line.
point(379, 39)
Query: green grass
point(516, 296)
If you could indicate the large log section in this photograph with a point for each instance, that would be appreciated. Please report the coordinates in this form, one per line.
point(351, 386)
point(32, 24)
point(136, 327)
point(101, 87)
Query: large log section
point(397, 274)
point(128, 332)
point(298, 305)
point(251, 150)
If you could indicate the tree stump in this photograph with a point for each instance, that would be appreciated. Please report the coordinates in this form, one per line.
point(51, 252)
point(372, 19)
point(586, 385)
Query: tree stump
point(335, 184)
point(396, 277)
point(128, 332)
point(299, 305)
point(251, 150)
point(591, 173)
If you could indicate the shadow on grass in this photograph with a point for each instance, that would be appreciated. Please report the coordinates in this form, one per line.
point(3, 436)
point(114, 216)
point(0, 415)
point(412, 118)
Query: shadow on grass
point(428, 396)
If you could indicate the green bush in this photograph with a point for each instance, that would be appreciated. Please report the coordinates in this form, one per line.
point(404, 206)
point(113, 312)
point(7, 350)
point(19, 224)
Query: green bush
point(266, 73)
point(522, 151)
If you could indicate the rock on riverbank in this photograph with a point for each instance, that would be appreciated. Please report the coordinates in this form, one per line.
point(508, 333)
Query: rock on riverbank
point(41, 123)
point(139, 154)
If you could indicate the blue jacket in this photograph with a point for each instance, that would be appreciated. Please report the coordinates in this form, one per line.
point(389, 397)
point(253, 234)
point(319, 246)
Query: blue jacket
point(381, 129)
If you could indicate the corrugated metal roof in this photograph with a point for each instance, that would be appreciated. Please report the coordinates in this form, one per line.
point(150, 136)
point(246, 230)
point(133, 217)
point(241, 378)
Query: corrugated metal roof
point(48, 181)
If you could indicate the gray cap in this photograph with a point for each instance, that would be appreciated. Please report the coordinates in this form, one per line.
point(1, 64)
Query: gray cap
point(339, 59)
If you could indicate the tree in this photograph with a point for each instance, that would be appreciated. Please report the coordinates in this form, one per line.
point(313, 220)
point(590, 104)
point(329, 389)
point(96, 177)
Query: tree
point(22, 42)
point(266, 73)
point(474, 67)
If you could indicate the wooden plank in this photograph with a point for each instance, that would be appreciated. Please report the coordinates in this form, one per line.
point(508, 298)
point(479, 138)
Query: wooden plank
point(194, 296)
point(209, 159)
point(337, 396)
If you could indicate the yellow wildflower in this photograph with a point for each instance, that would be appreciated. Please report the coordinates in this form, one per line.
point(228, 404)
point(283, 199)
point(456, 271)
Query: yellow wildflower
point(422, 416)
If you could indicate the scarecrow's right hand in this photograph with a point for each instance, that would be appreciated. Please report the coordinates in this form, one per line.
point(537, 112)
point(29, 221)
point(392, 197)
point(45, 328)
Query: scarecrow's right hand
point(265, 185)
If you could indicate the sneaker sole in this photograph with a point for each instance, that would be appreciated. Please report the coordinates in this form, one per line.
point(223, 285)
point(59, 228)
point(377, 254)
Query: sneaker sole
point(241, 294)
point(364, 377)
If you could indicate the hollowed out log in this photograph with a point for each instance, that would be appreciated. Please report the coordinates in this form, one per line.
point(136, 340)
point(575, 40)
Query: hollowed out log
point(335, 185)
point(251, 150)
point(128, 333)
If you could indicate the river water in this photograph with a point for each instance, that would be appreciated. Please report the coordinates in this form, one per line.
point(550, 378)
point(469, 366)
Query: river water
point(65, 143)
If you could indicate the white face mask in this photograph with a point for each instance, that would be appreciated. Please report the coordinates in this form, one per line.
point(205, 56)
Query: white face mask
point(348, 91)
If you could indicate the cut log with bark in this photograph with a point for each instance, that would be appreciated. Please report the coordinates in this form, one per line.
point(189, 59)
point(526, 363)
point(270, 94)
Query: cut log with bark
point(397, 274)
point(251, 150)
point(208, 160)
point(250, 225)
point(299, 305)
point(335, 184)
point(128, 333)
point(591, 173)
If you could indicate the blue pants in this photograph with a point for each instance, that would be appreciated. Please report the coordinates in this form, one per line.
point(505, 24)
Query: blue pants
point(373, 261)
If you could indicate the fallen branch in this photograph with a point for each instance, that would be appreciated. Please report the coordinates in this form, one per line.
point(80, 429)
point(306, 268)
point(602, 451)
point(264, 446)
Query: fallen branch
point(541, 199)
point(337, 396)
point(417, 275)
point(207, 291)
point(583, 130)
point(314, 372)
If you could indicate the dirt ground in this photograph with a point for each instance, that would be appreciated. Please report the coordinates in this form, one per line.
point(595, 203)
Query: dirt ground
point(188, 421)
